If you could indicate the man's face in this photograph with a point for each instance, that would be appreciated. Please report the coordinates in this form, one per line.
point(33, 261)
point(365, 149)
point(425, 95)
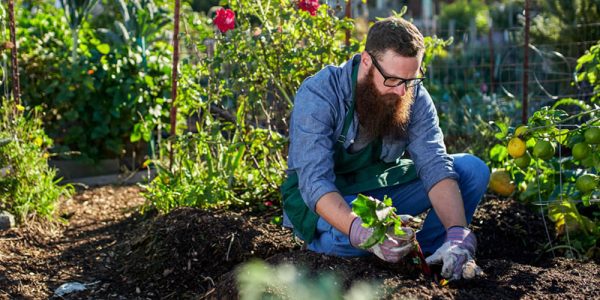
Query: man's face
point(383, 110)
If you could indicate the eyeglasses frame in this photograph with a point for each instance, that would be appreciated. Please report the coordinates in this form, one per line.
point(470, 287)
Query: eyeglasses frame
point(417, 80)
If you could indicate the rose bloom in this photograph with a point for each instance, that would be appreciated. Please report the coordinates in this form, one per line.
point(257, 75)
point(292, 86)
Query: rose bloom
point(225, 19)
point(310, 6)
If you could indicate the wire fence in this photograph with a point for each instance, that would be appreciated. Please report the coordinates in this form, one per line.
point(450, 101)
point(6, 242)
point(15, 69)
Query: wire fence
point(480, 66)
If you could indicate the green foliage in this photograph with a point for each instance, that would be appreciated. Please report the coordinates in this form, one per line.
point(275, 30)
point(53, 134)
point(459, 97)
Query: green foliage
point(213, 170)
point(566, 22)
point(505, 14)
point(76, 11)
point(273, 49)
point(257, 280)
point(588, 67)
point(556, 179)
point(238, 158)
point(27, 184)
point(378, 215)
point(92, 105)
point(202, 5)
point(463, 12)
point(566, 181)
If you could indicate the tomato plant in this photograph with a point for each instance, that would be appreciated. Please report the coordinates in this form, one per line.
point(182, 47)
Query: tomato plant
point(558, 170)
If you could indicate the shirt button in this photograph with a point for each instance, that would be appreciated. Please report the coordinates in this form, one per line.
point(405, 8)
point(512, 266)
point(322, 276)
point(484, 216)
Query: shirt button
point(351, 141)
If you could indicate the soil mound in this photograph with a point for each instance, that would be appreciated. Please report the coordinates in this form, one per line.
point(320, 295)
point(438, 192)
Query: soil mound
point(188, 249)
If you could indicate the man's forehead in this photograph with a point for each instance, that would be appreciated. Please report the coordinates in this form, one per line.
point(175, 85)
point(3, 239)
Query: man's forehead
point(395, 64)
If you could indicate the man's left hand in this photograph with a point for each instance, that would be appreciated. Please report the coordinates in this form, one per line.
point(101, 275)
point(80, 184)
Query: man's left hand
point(457, 254)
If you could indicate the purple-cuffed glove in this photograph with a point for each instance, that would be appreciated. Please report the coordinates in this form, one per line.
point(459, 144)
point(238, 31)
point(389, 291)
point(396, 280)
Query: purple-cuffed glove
point(457, 254)
point(393, 247)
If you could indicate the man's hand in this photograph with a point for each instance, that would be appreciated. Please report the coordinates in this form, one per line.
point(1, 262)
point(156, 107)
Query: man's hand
point(393, 247)
point(457, 254)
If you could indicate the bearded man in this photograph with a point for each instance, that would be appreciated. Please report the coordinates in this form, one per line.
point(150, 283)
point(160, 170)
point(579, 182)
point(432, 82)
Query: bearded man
point(350, 128)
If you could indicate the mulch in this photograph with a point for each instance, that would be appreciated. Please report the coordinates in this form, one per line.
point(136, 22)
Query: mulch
point(120, 253)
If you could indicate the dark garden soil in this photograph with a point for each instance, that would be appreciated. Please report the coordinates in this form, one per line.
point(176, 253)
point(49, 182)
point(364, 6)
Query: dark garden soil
point(120, 254)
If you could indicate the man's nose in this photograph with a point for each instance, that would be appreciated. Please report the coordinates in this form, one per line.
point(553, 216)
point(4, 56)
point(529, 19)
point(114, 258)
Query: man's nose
point(400, 90)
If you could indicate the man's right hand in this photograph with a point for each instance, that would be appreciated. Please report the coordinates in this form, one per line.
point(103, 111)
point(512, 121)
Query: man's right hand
point(393, 247)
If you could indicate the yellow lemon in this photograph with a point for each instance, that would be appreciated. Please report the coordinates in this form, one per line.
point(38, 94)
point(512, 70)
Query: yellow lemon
point(500, 183)
point(543, 150)
point(516, 147)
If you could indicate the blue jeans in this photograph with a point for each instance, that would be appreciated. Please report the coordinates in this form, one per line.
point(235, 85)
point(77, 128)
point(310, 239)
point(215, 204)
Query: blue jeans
point(411, 198)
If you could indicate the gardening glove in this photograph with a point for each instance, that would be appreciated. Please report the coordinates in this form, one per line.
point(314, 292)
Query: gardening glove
point(393, 247)
point(457, 254)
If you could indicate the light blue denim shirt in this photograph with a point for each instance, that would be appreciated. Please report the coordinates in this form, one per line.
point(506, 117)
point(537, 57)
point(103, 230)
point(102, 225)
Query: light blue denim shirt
point(317, 118)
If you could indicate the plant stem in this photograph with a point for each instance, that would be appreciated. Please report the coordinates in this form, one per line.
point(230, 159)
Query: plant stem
point(567, 119)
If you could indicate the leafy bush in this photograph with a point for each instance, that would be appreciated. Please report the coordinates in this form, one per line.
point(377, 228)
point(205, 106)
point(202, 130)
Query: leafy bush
point(92, 103)
point(462, 12)
point(566, 23)
point(27, 183)
point(238, 158)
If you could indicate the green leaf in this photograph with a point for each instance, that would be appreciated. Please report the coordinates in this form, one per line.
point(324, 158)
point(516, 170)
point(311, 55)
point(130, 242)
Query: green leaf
point(499, 153)
point(103, 48)
point(561, 135)
point(387, 200)
point(377, 236)
point(570, 101)
point(363, 207)
point(503, 127)
point(136, 135)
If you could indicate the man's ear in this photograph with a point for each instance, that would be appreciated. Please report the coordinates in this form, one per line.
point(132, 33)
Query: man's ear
point(365, 59)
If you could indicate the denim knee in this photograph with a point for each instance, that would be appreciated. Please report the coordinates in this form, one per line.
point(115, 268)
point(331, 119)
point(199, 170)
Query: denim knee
point(474, 177)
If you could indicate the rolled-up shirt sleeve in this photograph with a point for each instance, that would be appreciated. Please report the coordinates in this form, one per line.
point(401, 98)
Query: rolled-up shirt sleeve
point(312, 137)
point(426, 142)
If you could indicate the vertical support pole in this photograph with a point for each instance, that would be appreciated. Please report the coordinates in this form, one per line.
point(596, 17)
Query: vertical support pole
point(173, 115)
point(14, 62)
point(526, 63)
point(348, 15)
point(492, 58)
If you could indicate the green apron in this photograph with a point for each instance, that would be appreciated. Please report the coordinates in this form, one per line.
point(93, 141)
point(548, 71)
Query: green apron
point(355, 173)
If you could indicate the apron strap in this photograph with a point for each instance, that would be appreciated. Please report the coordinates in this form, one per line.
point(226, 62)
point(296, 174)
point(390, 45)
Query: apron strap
point(350, 114)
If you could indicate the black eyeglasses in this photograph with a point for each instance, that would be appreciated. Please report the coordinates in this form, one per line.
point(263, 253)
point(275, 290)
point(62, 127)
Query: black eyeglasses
point(391, 81)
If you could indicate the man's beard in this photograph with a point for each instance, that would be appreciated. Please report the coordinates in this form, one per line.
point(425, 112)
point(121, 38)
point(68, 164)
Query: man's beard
point(382, 115)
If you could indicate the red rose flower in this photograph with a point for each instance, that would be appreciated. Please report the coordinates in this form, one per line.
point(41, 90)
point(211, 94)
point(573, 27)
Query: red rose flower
point(225, 19)
point(310, 6)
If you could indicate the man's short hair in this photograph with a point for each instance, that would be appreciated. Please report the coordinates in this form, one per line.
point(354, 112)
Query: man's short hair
point(396, 34)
